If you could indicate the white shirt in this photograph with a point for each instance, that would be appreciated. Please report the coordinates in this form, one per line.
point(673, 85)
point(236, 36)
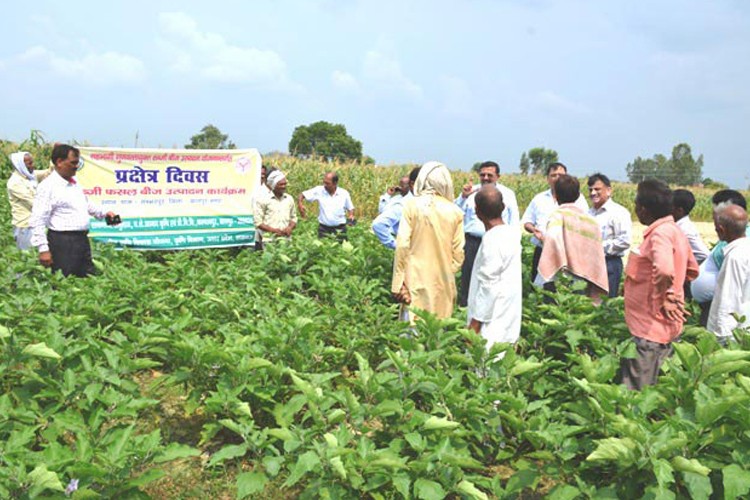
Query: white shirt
point(386, 199)
point(540, 208)
point(472, 224)
point(495, 290)
point(699, 248)
point(616, 225)
point(61, 206)
point(333, 208)
point(732, 294)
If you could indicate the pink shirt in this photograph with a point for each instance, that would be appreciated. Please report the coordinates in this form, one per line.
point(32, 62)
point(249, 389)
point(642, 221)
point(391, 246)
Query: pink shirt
point(663, 262)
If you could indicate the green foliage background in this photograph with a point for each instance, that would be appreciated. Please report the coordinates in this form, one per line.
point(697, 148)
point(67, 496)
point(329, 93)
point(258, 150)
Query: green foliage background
point(228, 373)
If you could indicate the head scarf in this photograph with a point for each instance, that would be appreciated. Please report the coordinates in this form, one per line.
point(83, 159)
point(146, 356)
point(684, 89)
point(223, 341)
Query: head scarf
point(434, 178)
point(17, 160)
point(274, 178)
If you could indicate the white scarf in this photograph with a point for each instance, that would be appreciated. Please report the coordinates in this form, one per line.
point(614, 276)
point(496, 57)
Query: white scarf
point(274, 178)
point(434, 178)
point(17, 160)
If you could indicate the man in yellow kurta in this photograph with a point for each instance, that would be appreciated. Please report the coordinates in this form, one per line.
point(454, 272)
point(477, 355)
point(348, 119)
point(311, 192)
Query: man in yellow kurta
point(429, 244)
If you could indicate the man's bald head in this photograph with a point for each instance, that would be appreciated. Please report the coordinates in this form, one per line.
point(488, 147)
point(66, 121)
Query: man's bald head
point(489, 203)
point(730, 221)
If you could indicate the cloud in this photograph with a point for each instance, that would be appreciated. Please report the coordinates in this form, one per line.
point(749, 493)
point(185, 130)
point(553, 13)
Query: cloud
point(549, 100)
point(210, 56)
point(344, 80)
point(386, 73)
point(94, 68)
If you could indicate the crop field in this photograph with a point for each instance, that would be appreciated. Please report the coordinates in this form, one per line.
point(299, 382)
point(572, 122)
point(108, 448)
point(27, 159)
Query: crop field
point(234, 374)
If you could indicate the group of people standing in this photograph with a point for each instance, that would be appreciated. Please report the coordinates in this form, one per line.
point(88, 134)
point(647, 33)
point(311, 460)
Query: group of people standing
point(434, 235)
point(480, 231)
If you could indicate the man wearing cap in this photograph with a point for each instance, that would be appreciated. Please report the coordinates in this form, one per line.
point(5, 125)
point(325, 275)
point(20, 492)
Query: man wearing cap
point(275, 215)
point(60, 217)
point(336, 208)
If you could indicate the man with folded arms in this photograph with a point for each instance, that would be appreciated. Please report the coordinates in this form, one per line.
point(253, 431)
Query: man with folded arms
point(275, 215)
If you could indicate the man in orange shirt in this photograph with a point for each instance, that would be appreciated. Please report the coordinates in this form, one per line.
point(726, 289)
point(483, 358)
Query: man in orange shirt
point(654, 279)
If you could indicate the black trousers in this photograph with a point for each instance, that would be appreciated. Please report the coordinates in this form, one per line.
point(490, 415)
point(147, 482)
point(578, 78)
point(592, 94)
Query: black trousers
point(535, 262)
point(471, 247)
point(338, 231)
point(71, 252)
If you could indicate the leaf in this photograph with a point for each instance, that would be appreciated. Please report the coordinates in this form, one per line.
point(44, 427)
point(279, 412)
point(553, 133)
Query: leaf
point(437, 423)
point(175, 451)
point(619, 450)
point(305, 463)
point(338, 467)
point(41, 350)
point(564, 492)
point(736, 482)
point(468, 488)
point(691, 465)
point(687, 353)
point(428, 490)
point(524, 366)
point(250, 483)
point(698, 485)
point(663, 472)
point(40, 479)
point(4, 332)
point(231, 451)
point(402, 483)
point(146, 478)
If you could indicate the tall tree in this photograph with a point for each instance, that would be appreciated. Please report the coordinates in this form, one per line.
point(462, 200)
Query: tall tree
point(680, 168)
point(524, 165)
point(540, 158)
point(328, 140)
point(210, 137)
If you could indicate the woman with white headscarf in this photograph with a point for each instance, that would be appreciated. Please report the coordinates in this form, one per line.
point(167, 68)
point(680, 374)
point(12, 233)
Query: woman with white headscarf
point(21, 191)
point(429, 245)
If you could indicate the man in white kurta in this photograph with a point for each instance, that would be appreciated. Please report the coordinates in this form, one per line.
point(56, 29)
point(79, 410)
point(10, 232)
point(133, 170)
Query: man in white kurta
point(494, 305)
point(732, 294)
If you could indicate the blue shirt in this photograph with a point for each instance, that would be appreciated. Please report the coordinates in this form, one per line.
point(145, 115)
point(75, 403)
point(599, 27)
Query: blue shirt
point(472, 224)
point(385, 225)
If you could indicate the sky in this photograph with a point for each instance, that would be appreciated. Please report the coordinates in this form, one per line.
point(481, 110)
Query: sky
point(601, 82)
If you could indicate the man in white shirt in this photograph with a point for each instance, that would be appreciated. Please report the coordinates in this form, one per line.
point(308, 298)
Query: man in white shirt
point(535, 217)
point(732, 294)
point(489, 172)
point(335, 206)
point(494, 306)
point(616, 225)
point(684, 201)
point(60, 217)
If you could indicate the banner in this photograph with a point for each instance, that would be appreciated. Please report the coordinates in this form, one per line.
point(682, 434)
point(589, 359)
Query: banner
point(172, 198)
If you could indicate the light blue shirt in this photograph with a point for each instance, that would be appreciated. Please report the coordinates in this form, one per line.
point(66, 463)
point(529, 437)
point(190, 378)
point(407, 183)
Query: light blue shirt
point(332, 207)
point(472, 224)
point(385, 225)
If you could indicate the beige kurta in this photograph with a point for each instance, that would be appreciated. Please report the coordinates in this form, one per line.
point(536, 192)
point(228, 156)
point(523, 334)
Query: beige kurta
point(429, 252)
point(21, 192)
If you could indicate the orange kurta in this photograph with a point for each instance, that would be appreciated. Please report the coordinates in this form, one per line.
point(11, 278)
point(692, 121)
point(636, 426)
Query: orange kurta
point(663, 262)
point(429, 252)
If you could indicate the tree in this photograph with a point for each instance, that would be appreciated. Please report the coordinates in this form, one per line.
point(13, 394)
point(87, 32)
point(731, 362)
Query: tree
point(210, 137)
point(540, 158)
point(681, 168)
point(327, 140)
point(524, 165)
